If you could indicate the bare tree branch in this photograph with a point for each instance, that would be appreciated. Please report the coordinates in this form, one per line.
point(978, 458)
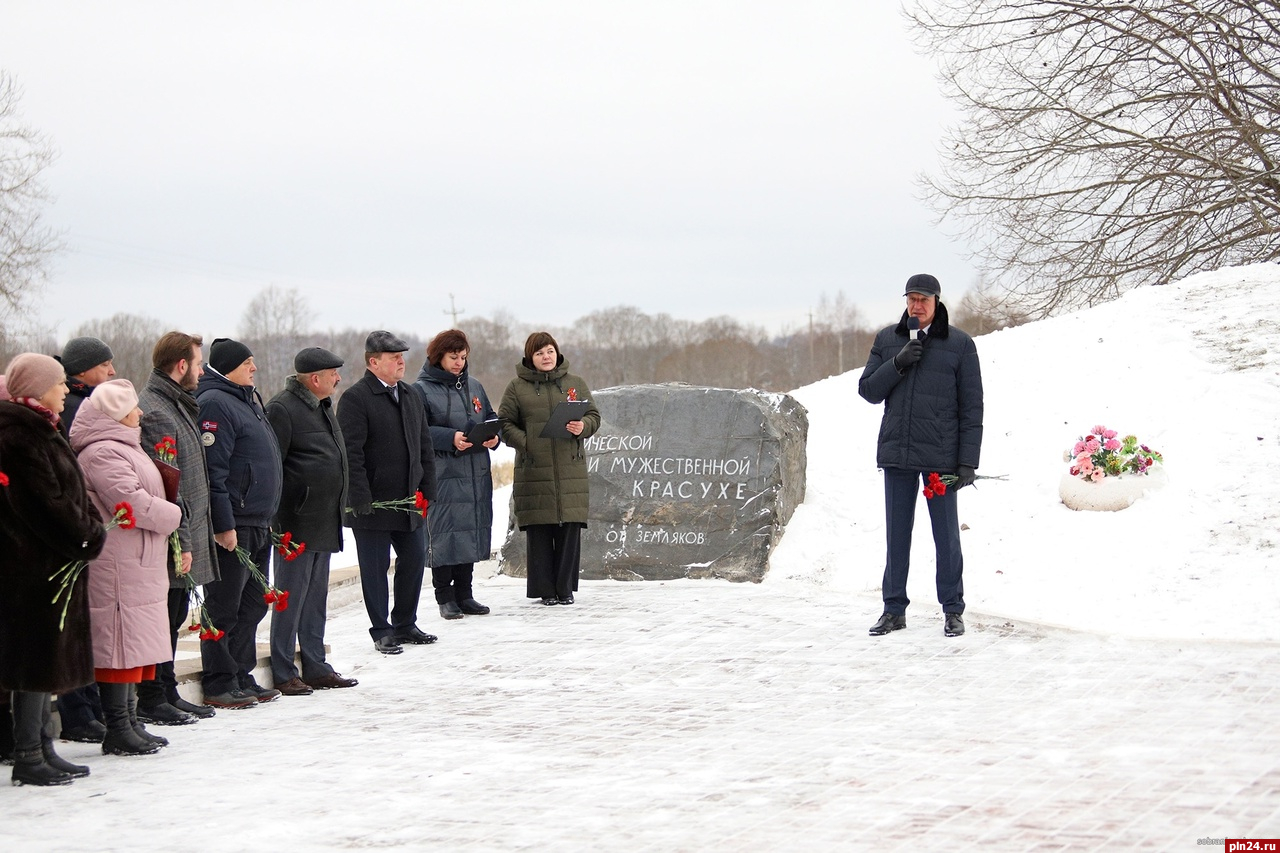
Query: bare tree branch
point(25, 242)
point(1106, 144)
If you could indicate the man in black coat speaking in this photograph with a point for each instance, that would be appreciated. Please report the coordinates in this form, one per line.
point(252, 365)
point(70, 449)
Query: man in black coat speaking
point(927, 375)
point(310, 514)
point(390, 456)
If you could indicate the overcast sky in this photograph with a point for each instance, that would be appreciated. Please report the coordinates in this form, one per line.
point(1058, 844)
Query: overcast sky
point(546, 158)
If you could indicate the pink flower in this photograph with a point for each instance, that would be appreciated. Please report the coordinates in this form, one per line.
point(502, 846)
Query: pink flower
point(1084, 463)
point(1078, 449)
point(1109, 433)
point(1097, 475)
point(1092, 446)
point(1099, 429)
point(1112, 444)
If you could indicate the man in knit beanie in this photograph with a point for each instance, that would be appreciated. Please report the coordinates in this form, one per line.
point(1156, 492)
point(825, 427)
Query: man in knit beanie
point(87, 361)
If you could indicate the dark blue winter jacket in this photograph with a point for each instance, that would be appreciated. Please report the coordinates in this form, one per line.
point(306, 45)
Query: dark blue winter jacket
point(932, 410)
point(241, 452)
point(460, 526)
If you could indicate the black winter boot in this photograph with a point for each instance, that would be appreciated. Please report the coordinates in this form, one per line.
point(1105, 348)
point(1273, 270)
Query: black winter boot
point(133, 719)
point(121, 739)
point(57, 762)
point(30, 768)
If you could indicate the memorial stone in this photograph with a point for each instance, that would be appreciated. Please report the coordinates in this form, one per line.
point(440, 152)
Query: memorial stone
point(686, 482)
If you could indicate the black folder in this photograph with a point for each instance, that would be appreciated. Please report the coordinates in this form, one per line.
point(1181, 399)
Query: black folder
point(483, 431)
point(569, 410)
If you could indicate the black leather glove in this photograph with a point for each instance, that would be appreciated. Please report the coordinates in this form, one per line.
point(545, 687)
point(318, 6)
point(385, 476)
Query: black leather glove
point(362, 509)
point(908, 355)
point(965, 476)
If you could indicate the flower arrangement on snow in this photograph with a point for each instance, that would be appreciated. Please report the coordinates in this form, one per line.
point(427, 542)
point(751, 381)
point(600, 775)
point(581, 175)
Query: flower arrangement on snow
point(1102, 454)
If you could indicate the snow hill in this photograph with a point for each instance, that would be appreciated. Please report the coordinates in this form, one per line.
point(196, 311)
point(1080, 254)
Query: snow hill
point(1192, 369)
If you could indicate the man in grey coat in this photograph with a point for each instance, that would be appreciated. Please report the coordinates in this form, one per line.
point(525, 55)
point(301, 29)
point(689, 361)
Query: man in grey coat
point(312, 497)
point(169, 411)
point(927, 375)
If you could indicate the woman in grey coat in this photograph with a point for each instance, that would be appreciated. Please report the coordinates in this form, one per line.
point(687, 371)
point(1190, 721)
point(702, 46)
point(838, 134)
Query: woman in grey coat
point(460, 524)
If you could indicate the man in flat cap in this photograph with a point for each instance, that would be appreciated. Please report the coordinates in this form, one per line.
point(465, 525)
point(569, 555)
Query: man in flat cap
point(926, 373)
point(390, 455)
point(244, 491)
point(310, 513)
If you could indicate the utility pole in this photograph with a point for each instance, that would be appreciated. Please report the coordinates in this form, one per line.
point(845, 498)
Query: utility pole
point(453, 311)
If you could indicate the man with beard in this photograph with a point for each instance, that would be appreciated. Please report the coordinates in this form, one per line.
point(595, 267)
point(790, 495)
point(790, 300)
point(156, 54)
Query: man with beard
point(169, 411)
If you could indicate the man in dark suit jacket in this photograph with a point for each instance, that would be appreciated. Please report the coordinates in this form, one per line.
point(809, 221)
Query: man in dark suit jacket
point(390, 457)
point(310, 513)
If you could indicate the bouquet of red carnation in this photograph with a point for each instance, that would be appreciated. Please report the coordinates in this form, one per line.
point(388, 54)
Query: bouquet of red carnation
point(200, 620)
point(416, 504)
point(70, 572)
point(937, 483)
point(286, 547)
point(277, 598)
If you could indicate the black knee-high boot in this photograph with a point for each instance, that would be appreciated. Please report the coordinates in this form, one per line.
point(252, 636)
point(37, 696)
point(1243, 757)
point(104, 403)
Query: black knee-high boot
point(57, 762)
point(29, 764)
point(137, 726)
point(121, 739)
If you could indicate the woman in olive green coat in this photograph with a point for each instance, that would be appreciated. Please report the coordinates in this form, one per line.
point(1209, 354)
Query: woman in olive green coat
point(550, 487)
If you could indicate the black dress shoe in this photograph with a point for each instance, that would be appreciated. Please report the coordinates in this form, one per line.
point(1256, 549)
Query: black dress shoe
point(888, 622)
point(204, 712)
point(415, 636)
point(568, 599)
point(953, 624)
point(164, 714)
point(91, 732)
point(550, 600)
point(387, 645)
point(471, 607)
point(450, 610)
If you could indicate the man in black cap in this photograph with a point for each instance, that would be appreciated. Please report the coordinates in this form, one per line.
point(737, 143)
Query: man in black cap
point(927, 375)
point(310, 513)
point(87, 362)
point(384, 425)
point(244, 491)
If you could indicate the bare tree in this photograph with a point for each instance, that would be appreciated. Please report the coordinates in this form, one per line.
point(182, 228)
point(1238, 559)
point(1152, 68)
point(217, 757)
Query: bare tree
point(25, 242)
point(275, 326)
point(131, 337)
point(1108, 143)
point(981, 311)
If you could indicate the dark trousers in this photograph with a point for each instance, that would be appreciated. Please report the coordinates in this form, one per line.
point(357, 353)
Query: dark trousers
point(453, 583)
point(373, 549)
point(164, 687)
point(553, 560)
point(301, 624)
point(235, 605)
point(77, 708)
point(900, 490)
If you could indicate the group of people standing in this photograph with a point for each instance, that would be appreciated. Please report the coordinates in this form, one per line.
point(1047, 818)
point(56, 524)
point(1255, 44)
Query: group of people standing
point(150, 512)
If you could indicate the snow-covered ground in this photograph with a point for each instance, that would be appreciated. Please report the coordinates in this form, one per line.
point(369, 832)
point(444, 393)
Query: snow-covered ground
point(713, 716)
point(1192, 369)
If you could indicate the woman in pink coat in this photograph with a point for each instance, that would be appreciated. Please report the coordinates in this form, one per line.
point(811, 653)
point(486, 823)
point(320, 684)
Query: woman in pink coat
point(129, 581)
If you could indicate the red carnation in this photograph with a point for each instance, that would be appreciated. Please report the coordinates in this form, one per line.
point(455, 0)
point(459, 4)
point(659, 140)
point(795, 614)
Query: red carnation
point(4, 479)
point(269, 596)
point(928, 492)
point(939, 488)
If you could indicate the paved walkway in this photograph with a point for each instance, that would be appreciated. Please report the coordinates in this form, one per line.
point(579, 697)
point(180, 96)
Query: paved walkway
point(713, 716)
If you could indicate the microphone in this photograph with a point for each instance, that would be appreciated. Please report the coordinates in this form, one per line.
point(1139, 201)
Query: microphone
point(913, 328)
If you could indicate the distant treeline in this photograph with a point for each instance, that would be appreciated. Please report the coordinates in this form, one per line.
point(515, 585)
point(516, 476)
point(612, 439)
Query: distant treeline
point(613, 346)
